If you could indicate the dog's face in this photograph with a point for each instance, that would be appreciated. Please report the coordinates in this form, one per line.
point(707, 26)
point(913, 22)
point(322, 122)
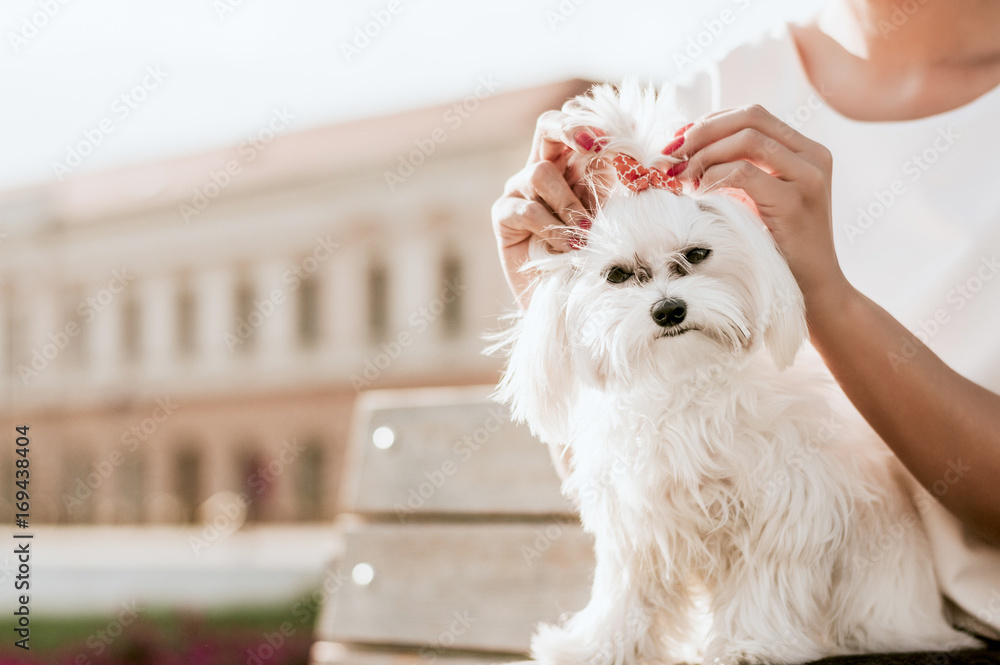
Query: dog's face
point(667, 289)
point(669, 283)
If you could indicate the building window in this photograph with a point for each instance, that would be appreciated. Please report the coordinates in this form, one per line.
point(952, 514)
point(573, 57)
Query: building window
point(308, 312)
point(378, 302)
point(78, 495)
point(131, 328)
point(8, 332)
point(451, 294)
point(187, 322)
point(309, 483)
point(75, 352)
point(257, 483)
point(245, 294)
point(187, 482)
point(130, 477)
point(7, 488)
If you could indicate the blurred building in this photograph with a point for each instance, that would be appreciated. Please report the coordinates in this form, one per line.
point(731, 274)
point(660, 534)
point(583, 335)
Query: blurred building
point(191, 334)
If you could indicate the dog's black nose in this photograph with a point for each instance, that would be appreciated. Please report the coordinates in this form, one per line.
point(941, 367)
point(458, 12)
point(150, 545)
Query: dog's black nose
point(669, 312)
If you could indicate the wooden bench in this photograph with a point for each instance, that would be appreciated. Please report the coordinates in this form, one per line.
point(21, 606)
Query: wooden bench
point(457, 540)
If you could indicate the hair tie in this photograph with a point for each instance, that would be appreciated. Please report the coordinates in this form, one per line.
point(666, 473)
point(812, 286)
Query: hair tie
point(637, 177)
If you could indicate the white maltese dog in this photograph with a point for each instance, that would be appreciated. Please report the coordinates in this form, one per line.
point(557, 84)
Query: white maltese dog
point(740, 513)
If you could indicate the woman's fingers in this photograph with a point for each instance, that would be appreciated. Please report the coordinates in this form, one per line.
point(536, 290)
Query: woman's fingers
point(553, 138)
point(545, 182)
point(720, 125)
point(518, 219)
point(749, 145)
point(765, 190)
point(538, 201)
point(515, 222)
point(739, 139)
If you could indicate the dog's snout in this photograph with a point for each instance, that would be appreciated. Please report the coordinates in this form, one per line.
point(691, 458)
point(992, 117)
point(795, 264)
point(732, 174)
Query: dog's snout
point(669, 312)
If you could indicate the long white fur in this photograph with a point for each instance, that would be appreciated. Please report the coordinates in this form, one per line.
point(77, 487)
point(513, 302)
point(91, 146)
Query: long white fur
point(722, 483)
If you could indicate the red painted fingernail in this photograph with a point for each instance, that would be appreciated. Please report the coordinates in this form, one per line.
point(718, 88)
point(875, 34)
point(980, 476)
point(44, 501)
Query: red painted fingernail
point(599, 144)
point(684, 129)
point(584, 140)
point(673, 146)
point(574, 243)
point(697, 182)
point(585, 224)
point(677, 169)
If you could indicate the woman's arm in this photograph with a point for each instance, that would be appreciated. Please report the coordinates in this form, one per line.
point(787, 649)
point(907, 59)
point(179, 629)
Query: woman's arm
point(943, 427)
point(939, 424)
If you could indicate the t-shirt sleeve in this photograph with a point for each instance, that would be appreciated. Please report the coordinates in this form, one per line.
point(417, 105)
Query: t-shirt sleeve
point(696, 94)
point(759, 72)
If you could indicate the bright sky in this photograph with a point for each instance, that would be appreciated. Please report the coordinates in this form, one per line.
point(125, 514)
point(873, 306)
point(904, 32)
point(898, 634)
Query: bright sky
point(128, 81)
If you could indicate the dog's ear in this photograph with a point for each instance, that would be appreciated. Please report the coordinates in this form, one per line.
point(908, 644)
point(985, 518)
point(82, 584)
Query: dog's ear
point(785, 329)
point(538, 382)
point(778, 297)
point(783, 309)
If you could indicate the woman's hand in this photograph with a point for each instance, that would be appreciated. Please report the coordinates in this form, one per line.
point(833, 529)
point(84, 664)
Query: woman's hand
point(544, 198)
point(785, 174)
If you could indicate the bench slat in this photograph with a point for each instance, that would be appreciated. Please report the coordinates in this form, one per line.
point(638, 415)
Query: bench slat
point(332, 653)
point(454, 452)
point(460, 586)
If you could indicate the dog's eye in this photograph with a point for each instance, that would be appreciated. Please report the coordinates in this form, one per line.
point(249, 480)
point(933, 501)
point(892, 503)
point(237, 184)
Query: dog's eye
point(697, 255)
point(618, 274)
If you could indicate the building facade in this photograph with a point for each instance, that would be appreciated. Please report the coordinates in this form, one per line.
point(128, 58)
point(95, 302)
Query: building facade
point(185, 339)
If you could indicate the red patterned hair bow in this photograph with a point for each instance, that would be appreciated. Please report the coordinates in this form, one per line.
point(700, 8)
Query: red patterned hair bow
point(637, 177)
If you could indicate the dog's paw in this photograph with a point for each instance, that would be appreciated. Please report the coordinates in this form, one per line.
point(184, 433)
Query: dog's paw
point(734, 658)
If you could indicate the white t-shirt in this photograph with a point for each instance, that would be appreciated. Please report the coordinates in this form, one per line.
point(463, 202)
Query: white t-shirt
point(916, 215)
